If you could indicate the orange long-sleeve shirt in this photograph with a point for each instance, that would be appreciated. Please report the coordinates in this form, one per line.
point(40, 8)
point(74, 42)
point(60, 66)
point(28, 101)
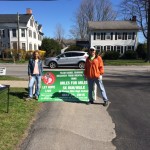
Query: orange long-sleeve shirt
point(94, 68)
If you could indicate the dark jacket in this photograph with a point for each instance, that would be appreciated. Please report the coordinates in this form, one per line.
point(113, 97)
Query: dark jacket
point(31, 65)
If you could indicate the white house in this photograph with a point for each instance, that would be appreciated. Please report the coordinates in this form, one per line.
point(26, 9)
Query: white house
point(114, 35)
point(30, 32)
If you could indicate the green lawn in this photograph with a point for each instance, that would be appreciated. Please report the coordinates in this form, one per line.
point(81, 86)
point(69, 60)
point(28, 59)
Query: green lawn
point(14, 123)
point(5, 77)
point(125, 62)
point(11, 61)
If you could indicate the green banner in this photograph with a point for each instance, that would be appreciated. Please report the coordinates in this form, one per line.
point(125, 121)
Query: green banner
point(64, 85)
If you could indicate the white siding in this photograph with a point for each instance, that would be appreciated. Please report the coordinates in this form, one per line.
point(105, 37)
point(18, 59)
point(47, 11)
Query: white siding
point(113, 42)
point(8, 41)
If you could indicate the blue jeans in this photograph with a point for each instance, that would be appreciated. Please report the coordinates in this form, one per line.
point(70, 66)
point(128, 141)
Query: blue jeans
point(35, 79)
point(100, 86)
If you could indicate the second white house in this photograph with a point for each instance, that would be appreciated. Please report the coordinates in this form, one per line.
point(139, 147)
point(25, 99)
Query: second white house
point(114, 35)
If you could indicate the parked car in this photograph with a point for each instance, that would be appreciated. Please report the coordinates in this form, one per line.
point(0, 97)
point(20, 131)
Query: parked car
point(70, 58)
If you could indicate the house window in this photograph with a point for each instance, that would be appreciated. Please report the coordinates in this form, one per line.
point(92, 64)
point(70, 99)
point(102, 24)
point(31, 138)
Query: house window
point(0, 33)
point(94, 38)
point(30, 33)
point(108, 36)
point(22, 32)
point(8, 45)
point(30, 46)
point(34, 34)
point(14, 45)
point(98, 36)
point(31, 22)
point(8, 32)
point(14, 33)
point(119, 36)
point(129, 36)
point(39, 37)
point(98, 47)
point(35, 47)
point(118, 48)
point(108, 48)
point(3, 33)
point(23, 46)
point(129, 48)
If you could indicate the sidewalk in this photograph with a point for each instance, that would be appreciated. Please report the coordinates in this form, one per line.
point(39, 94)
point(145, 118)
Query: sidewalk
point(19, 84)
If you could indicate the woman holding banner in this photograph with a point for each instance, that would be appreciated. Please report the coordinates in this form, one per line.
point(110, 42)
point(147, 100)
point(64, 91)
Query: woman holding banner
point(35, 70)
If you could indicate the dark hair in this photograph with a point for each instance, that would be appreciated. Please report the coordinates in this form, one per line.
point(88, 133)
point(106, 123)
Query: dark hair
point(36, 51)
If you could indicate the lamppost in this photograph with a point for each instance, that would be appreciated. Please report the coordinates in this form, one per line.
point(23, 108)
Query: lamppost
point(18, 33)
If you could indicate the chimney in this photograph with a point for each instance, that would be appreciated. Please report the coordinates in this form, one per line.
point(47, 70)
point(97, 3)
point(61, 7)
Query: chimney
point(29, 11)
point(133, 18)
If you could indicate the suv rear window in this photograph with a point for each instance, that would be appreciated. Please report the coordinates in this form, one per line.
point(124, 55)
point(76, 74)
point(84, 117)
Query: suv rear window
point(73, 54)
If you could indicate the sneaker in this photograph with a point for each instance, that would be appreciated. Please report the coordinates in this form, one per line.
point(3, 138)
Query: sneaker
point(36, 97)
point(28, 98)
point(90, 102)
point(105, 103)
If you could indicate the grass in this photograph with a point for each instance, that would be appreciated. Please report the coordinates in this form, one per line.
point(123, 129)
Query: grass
point(14, 123)
point(11, 61)
point(5, 77)
point(120, 62)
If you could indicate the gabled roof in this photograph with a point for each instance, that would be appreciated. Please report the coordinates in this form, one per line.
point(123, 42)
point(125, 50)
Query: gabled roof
point(113, 25)
point(12, 18)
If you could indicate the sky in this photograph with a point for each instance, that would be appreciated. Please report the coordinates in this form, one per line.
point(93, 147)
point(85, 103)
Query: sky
point(49, 13)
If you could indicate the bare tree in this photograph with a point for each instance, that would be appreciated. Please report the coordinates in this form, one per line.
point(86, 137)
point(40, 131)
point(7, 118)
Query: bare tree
point(140, 9)
point(59, 33)
point(95, 10)
point(104, 11)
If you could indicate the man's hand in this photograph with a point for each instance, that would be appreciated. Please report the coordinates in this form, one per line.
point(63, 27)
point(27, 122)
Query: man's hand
point(85, 77)
point(30, 77)
point(100, 77)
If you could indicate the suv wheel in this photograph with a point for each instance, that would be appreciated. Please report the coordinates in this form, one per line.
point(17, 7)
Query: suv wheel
point(81, 65)
point(52, 65)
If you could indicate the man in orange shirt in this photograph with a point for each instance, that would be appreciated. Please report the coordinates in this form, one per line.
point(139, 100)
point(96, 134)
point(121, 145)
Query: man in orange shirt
point(94, 69)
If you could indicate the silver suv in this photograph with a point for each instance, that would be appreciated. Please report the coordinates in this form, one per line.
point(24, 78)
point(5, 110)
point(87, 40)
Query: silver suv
point(69, 58)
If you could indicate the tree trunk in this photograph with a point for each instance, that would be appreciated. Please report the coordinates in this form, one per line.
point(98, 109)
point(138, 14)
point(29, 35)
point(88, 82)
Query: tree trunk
point(148, 34)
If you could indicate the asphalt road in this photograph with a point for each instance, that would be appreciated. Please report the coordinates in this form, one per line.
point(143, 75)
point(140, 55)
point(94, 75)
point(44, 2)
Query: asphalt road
point(130, 108)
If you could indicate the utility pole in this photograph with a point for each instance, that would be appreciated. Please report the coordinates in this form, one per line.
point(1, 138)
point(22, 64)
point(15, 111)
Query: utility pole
point(18, 33)
point(148, 33)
